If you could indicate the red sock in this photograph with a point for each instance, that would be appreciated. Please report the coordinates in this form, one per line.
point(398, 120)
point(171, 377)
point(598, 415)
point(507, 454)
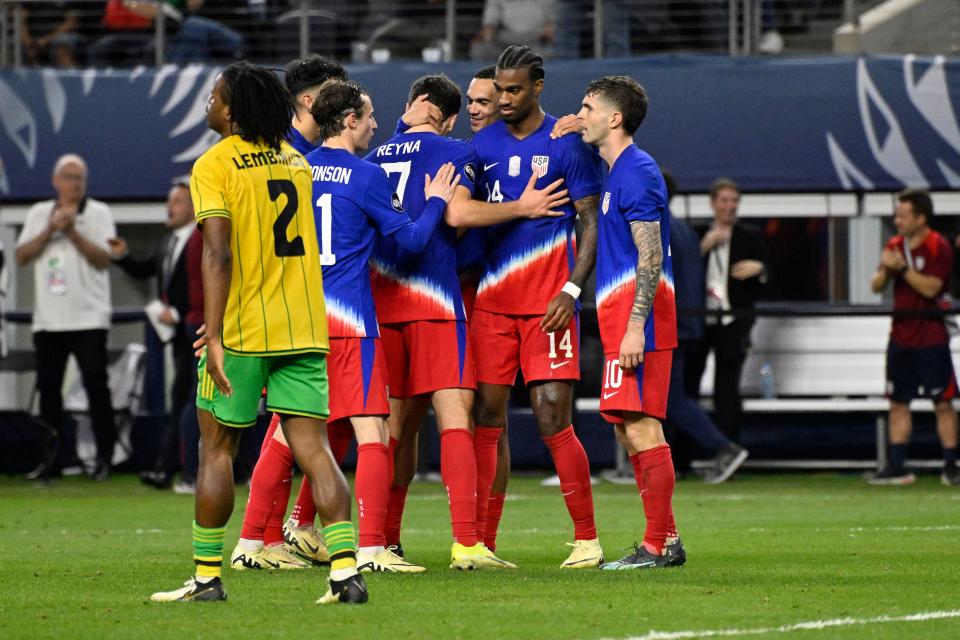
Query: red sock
point(395, 504)
point(485, 441)
point(372, 487)
point(458, 468)
point(304, 511)
point(573, 467)
point(655, 480)
point(494, 513)
point(340, 435)
point(271, 477)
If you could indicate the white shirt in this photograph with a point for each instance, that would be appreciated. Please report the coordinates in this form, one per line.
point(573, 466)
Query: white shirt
point(718, 268)
point(70, 294)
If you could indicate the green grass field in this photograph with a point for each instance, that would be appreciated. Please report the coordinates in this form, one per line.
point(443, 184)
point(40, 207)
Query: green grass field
point(79, 560)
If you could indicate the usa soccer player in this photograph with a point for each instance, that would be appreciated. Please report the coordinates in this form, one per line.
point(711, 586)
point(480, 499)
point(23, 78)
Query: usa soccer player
point(251, 194)
point(353, 200)
point(525, 315)
point(420, 308)
point(635, 307)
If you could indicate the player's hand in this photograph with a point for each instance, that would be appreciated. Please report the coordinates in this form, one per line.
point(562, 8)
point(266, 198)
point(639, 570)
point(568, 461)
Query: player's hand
point(200, 343)
point(892, 260)
point(422, 112)
point(166, 317)
point(118, 248)
point(60, 219)
point(746, 269)
point(563, 126)
point(543, 203)
point(215, 366)
point(713, 238)
point(631, 347)
point(559, 312)
point(444, 183)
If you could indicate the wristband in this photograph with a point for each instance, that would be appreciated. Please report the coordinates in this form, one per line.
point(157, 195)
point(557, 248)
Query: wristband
point(572, 290)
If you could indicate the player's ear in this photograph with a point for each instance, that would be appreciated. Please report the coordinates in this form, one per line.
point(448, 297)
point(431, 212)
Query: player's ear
point(538, 87)
point(616, 120)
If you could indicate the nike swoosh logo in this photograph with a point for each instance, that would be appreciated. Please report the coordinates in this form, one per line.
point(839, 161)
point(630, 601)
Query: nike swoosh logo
point(607, 396)
point(487, 167)
point(642, 491)
point(554, 365)
point(566, 493)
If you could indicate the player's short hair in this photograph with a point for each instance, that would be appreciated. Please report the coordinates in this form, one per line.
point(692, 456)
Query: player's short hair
point(441, 91)
point(336, 100)
point(303, 73)
point(486, 73)
point(624, 94)
point(260, 105)
point(68, 158)
point(920, 200)
point(520, 57)
point(720, 184)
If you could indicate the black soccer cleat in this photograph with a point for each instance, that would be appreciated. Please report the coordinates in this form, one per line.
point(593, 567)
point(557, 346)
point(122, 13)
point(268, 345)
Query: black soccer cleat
point(193, 591)
point(352, 590)
point(675, 554)
point(639, 559)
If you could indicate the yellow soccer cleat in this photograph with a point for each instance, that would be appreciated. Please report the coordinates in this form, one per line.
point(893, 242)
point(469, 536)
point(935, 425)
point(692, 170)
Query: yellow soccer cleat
point(386, 561)
point(280, 555)
point(306, 543)
point(274, 557)
point(586, 554)
point(476, 557)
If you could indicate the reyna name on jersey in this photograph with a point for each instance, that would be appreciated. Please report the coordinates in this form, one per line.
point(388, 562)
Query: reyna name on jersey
point(262, 158)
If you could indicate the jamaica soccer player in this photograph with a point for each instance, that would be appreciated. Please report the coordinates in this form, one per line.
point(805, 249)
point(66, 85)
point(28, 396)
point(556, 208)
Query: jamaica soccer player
point(265, 319)
point(635, 307)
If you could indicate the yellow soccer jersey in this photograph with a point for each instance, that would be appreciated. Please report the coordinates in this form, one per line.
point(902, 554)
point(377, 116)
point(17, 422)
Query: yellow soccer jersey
point(275, 305)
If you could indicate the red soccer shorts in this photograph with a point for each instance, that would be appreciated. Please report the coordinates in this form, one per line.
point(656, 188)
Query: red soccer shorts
point(504, 344)
point(424, 356)
point(358, 378)
point(643, 390)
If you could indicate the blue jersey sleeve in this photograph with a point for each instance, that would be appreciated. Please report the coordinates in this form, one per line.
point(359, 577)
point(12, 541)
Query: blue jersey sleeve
point(401, 127)
point(466, 164)
point(581, 168)
point(645, 198)
point(382, 205)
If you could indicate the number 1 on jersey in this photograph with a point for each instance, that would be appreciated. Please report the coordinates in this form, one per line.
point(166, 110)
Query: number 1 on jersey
point(327, 257)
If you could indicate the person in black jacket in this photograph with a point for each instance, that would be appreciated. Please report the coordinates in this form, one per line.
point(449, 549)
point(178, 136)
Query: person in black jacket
point(168, 265)
point(735, 266)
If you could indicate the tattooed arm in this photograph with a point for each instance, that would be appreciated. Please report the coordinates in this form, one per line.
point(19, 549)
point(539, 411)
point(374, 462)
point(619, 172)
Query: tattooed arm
point(646, 237)
point(561, 308)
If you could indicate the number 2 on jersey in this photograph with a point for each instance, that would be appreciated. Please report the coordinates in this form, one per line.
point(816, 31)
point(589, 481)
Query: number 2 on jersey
point(283, 247)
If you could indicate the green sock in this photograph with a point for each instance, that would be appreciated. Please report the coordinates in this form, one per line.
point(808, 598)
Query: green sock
point(208, 550)
point(341, 542)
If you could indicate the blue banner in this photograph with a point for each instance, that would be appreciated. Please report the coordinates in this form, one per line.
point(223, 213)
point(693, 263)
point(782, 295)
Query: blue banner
point(775, 125)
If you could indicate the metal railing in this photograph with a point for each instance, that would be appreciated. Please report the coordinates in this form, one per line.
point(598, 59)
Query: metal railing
point(436, 30)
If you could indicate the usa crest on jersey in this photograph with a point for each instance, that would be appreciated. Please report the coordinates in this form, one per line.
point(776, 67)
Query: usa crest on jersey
point(539, 165)
point(606, 203)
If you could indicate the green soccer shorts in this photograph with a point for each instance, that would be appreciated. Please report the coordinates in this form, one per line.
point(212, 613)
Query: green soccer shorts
point(296, 385)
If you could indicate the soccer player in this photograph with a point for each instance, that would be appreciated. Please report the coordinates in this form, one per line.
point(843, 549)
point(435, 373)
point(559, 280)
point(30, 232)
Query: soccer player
point(635, 307)
point(525, 315)
point(353, 200)
point(262, 535)
point(422, 318)
point(265, 322)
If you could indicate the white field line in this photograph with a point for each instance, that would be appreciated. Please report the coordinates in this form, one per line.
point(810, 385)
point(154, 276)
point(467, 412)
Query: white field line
point(813, 625)
point(945, 527)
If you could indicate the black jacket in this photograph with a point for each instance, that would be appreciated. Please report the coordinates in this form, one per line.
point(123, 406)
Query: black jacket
point(746, 243)
point(175, 291)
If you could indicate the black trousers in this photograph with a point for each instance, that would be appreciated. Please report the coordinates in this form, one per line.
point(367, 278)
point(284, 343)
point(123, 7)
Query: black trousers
point(89, 347)
point(184, 378)
point(729, 344)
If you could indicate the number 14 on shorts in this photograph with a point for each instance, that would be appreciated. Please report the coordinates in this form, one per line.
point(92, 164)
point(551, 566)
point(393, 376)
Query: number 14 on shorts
point(565, 346)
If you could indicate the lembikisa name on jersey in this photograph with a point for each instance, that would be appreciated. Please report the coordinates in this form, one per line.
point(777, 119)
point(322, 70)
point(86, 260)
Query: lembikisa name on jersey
point(263, 158)
point(398, 148)
point(331, 174)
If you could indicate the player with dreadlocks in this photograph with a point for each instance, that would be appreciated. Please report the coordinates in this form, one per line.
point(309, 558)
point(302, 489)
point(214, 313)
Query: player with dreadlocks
point(252, 196)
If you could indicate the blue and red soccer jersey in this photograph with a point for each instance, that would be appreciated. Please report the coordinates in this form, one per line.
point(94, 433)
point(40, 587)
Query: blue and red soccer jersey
point(353, 199)
point(528, 261)
point(633, 191)
point(407, 286)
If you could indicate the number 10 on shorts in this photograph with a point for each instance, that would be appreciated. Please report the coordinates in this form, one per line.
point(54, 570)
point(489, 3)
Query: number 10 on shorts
point(566, 345)
point(612, 375)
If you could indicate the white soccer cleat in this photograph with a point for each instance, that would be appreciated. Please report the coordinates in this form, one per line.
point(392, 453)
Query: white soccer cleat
point(386, 561)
